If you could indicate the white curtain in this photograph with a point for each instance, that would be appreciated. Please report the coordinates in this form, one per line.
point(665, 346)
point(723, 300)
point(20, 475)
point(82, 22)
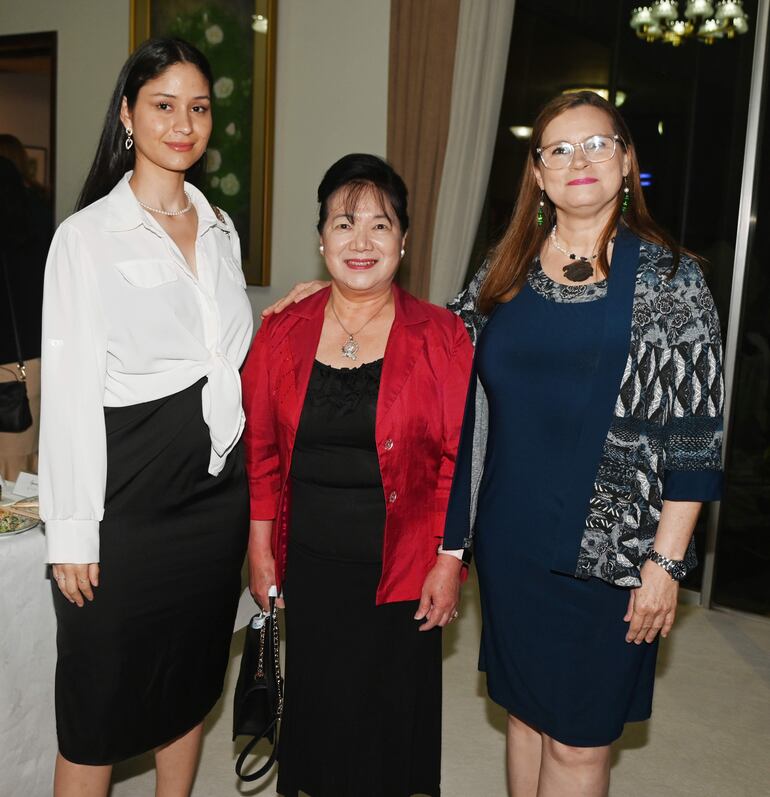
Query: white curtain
point(483, 40)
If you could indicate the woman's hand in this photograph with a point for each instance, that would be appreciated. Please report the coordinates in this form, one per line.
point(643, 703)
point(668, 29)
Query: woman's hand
point(76, 582)
point(651, 607)
point(261, 578)
point(299, 292)
point(440, 593)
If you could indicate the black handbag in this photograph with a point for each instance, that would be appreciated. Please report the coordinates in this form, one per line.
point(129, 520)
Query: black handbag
point(258, 700)
point(15, 415)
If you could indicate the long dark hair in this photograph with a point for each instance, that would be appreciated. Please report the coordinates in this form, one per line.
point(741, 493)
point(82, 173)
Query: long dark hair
point(147, 62)
point(510, 259)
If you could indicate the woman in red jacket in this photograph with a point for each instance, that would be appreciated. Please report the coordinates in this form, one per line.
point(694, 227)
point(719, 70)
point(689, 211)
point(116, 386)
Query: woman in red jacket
point(354, 402)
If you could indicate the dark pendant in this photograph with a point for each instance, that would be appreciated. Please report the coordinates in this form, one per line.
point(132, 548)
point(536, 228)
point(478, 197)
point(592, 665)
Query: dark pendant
point(578, 270)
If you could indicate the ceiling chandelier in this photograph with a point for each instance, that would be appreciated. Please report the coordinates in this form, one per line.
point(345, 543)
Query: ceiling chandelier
point(703, 20)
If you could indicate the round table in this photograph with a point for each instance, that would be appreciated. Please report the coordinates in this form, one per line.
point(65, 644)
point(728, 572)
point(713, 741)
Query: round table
point(27, 664)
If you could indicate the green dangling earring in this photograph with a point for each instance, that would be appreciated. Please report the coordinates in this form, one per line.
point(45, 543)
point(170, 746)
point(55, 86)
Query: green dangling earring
point(540, 214)
point(626, 196)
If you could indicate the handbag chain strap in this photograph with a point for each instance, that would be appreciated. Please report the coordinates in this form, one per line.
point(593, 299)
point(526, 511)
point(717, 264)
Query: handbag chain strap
point(260, 673)
point(20, 364)
point(277, 658)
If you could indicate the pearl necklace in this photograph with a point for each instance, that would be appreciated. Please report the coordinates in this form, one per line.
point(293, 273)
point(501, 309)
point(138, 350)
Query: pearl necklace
point(181, 212)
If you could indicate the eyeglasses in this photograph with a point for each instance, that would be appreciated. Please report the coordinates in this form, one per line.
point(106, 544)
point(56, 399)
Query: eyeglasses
point(596, 149)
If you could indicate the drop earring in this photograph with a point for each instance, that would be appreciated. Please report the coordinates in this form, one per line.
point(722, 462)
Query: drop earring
point(129, 140)
point(540, 213)
point(626, 204)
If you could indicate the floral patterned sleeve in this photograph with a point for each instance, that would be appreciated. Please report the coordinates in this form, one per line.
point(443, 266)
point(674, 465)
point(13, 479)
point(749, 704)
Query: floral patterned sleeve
point(693, 431)
point(464, 304)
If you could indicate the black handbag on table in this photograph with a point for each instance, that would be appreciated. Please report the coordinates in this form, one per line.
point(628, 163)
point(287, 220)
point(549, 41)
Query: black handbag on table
point(258, 700)
point(15, 415)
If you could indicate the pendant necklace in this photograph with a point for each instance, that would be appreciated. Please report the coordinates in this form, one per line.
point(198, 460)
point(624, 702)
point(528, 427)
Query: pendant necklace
point(580, 268)
point(350, 347)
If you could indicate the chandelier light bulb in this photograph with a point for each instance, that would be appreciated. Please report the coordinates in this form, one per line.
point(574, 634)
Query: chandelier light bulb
point(699, 8)
point(741, 24)
point(709, 31)
point(665, 10)
point(641, 17)
point(729, 9)
point(653, 33)
point(681, 28)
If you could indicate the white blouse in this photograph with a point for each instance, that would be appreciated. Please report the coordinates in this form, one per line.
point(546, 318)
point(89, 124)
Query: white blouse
point(124, 322)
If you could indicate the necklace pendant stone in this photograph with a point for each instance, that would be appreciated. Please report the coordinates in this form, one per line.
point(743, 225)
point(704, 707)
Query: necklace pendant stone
point(350, 348)
point(578, 271)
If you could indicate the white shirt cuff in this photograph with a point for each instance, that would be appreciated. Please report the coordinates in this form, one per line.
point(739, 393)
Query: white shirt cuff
point(458, 553)
point(72, 541)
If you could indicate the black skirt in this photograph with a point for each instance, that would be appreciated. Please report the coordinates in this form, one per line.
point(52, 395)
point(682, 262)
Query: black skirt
point(362, 715)
point(145, 661)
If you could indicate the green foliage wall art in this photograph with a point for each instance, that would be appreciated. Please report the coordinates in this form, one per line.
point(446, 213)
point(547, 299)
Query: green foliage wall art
point(233, 36)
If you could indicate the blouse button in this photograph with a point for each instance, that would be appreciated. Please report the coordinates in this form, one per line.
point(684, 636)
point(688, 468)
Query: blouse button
point(392, 497)
point(388, 444)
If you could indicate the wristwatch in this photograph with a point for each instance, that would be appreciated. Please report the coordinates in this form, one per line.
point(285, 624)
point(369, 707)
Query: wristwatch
point(677, 569)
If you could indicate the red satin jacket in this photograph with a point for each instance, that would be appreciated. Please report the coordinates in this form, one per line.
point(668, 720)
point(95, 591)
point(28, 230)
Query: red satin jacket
point(419, 414)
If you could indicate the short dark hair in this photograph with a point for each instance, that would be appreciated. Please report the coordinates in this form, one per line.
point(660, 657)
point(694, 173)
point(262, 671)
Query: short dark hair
point(360, 173)
point(150, 60)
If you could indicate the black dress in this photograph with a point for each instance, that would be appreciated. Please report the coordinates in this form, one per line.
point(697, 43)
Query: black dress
point(145, 661)
point(363, 685)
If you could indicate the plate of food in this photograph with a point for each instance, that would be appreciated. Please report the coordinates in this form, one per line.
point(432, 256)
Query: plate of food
point(11, 523)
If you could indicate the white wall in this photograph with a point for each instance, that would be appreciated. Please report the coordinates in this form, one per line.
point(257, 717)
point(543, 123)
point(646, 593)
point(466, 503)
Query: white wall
point(331, 99)
point(93, 44)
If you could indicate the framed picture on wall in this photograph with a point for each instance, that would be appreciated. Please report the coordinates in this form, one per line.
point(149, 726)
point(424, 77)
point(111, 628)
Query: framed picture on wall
point(238, 38)
point(37, 164)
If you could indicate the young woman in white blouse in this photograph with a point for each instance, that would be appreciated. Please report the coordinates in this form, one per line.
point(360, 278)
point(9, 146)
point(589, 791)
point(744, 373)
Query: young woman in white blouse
point(142, 487)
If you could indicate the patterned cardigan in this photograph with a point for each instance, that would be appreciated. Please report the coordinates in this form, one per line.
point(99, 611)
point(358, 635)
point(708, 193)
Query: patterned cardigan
point(665, 439)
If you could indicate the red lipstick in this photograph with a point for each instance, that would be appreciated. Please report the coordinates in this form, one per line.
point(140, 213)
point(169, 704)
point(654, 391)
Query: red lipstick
point(583, 181)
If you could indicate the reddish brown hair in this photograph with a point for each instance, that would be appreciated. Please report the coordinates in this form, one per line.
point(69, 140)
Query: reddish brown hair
point(510, 259)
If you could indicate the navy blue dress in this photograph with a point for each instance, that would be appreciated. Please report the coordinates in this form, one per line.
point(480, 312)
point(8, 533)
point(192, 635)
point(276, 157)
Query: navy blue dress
point(553, 646)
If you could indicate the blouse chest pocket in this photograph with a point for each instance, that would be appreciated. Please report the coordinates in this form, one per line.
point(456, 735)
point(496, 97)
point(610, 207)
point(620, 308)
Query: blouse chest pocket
point(233, 268)
point(147, 273)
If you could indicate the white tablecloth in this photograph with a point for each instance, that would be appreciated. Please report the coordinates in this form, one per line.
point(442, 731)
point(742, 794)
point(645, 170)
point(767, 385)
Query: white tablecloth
point(27, 664)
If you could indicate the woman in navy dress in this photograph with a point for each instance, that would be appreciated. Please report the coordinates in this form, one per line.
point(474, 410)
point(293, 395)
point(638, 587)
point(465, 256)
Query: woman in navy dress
point(592, 434)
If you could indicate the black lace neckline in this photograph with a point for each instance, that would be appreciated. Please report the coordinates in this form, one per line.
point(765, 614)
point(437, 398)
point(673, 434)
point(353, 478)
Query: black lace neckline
point(345, 389)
